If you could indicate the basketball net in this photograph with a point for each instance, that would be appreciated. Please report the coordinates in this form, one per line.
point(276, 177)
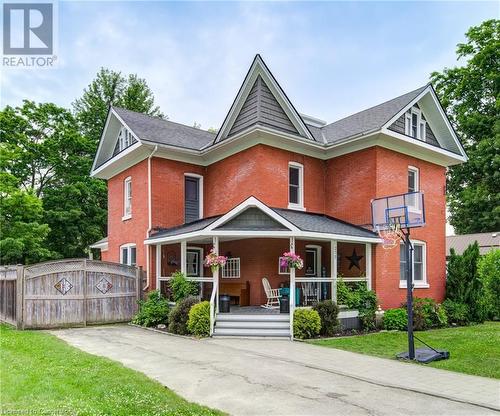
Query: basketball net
point(391, 236)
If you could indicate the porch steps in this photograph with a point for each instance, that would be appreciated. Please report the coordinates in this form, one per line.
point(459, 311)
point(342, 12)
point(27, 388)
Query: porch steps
point(252, 325)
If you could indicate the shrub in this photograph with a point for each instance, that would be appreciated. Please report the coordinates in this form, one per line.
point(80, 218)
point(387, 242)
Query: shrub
point(357, 296)
point(153, 311)
point(463, 284)
point(181, 287)
point(306, 323)
point(328, 311)
point(458, 313)
point(199, 319)
point(428, 314)
point(179, 315)
point(488, 269)
point(395, 319)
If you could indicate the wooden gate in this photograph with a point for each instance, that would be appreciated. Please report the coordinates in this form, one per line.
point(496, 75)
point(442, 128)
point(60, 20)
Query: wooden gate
point(77, 292)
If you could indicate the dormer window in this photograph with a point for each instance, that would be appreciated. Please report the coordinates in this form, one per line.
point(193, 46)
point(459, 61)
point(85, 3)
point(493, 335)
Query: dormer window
point(125, 139)
point(415, 124)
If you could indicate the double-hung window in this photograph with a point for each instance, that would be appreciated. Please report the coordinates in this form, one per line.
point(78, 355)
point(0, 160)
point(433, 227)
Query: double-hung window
point(127, 198)
point(413, 186)
point(128, 254)
point(415, 124)
point(419, 275)
point(295, 186)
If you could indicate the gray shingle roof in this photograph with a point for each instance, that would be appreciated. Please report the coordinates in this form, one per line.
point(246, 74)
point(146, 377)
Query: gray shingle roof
point(369, 119)
point(161, 131)
point(303, 220)
point(486, 241)
point(185, 228)
point(320, 223)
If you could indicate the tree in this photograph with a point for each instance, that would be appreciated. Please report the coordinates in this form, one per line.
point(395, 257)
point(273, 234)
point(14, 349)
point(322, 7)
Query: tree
point(471, 96)
point(463, 283)
point(47, 163)
point(112, 88)
point(23, 232)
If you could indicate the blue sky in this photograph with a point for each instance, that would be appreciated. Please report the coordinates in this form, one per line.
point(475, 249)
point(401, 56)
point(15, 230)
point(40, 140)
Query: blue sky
point(332, 59)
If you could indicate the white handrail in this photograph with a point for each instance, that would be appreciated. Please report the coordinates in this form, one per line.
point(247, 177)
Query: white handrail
point(314, 279)
point(212, 307)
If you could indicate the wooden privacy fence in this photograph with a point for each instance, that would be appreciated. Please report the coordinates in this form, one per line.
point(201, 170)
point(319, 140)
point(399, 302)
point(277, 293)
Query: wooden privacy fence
point(71, 292)
point(8, 275)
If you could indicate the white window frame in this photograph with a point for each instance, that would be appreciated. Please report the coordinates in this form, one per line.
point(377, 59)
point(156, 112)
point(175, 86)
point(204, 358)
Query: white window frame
point(415, 206)
point(127, 198)
point(129, 247)
point(200, 260)
point(420, 284)
point(300, 204)
point(232, 269)
point(200, 190)
point(421, 123)
point(280, 269)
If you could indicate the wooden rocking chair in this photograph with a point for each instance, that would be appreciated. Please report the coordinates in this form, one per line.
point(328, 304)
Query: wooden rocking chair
point(273, 295)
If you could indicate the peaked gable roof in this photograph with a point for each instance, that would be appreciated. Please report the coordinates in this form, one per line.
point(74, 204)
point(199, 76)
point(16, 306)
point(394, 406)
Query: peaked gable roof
point(270, 113)
point(371, 119)
point(158, 130)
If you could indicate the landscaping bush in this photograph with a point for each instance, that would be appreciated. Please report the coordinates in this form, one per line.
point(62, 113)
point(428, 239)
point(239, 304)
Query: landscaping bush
point(181, 287)
point(179, 315)
point(199, 319)
point(458, 313)
point(428, 314)
point(153, 311)
point(488, 268)
point(357, 296)
point(306, 323)
point(464, 285)
point(328, 312)
point(395, 319)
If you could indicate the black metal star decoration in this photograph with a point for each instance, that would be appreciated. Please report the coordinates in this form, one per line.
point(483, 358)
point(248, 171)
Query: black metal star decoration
point(354, 260)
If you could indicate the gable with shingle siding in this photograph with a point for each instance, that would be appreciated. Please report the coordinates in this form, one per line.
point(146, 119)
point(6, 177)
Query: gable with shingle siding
point(261, 107)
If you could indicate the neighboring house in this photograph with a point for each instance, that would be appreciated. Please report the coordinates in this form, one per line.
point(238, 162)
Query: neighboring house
point(273, 179)
point(486, 241)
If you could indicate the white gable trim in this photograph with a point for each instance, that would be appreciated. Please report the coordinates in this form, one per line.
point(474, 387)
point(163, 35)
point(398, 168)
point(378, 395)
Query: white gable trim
point(251, 202)
point(257, 68)
point(429, 90)
point(111, 113)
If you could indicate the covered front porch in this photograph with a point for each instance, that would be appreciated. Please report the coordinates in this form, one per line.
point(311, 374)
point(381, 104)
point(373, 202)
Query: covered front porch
point(253, 237)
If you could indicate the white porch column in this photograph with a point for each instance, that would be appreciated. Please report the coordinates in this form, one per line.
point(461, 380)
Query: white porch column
point(183, 257)
point(333, 268)
point(158, 266)
point(368, 257)
point(215, 243)
point(292, 287)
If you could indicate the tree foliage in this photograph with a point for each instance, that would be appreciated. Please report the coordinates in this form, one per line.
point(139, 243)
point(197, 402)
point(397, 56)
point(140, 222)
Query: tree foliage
point(471, 95)
point(463, 283)
point(112, 88)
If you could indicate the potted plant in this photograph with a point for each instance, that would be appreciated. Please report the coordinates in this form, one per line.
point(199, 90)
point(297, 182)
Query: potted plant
point(292, 261)
point(215, 261)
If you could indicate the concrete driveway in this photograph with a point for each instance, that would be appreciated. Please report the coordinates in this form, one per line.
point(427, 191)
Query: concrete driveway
point(279, 377)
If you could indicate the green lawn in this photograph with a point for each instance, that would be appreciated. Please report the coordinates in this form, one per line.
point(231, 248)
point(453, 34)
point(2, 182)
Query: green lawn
point(40, 374)
point(473, 349)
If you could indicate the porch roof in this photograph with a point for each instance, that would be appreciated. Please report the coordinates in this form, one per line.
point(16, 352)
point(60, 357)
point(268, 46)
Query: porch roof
point(297, 223)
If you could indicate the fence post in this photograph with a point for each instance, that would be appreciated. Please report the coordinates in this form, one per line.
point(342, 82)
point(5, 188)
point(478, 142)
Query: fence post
point(84, 292)
point(138, 272)
point(19, 297)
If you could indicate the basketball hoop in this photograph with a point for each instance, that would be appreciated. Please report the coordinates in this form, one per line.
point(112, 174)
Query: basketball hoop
point(391, 236)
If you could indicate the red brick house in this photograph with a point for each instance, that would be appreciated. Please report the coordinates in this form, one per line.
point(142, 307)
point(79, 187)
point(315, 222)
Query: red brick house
point(273, 179)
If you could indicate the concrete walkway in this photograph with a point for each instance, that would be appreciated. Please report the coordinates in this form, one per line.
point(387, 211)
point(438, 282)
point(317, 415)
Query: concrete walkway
point(279, 377)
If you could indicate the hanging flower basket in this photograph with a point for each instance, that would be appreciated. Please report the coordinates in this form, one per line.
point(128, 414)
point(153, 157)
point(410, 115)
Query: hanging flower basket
point(292, 261)
point(214, 261)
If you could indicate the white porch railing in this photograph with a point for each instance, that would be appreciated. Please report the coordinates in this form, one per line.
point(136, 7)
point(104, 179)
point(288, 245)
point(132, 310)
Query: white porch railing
point(213, 309)
point(232, 268)
point(314, 289)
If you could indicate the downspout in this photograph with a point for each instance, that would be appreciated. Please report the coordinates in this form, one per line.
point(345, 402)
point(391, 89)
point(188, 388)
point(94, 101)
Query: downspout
point(149, 217)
